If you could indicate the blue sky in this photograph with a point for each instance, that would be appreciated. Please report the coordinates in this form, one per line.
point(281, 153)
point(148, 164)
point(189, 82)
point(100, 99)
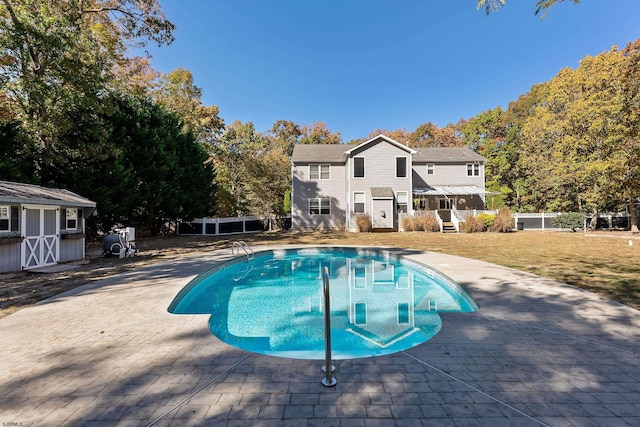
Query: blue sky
point(363, 65)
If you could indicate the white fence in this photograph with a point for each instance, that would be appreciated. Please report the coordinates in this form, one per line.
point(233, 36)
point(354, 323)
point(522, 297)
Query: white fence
point(226, 226)
point(544, 220)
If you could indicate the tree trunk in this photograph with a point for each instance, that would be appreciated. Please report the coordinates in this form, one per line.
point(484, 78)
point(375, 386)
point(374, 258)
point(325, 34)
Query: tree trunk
point(594, 219)
point(633, 217)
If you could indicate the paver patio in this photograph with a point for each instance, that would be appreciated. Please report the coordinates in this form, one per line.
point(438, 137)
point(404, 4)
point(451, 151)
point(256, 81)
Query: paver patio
point(537, 353)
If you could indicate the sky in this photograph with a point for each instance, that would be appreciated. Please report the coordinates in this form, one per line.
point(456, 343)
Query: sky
point(359, 65)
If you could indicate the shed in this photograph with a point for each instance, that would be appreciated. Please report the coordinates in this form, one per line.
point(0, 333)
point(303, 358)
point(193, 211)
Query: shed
point(40, 226)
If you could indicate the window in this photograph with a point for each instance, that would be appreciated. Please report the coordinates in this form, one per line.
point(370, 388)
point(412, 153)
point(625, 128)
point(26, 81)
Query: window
point(360, 276)
point(358, 167)
point(401, 167)
point(72, 219)
point(445, 203)
point(358, 203)
point(402, 201)
point(431, 168)
point(403, 313)
point(320, 171)
point(473, 169)
point(5, 218)
point(319, 206)
point(360, 313)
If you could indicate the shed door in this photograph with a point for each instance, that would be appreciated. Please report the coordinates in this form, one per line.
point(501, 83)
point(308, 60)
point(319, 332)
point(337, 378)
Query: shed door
point(40, 246)
point(383, 213)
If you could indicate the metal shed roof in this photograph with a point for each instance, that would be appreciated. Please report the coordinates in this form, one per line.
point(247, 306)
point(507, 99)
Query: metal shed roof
point(16, 192)
point(450, 190)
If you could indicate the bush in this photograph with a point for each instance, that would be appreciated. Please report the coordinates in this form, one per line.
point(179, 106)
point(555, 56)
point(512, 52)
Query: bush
point(503, 222)
point(487, 220)
point(364, 223)
point(472, 225)
point(572, 221)
point(426, 222)
point(407, 223)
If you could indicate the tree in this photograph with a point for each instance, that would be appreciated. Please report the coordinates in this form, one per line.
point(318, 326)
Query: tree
point(231, 156)
point(399, 135)
point(285, 134)
point(319, 133)
point(541, 5)
point(631, 141)
point(178, 94)
point(146, 172)
point(57, 55)
point(430, 135)
point(573, 140)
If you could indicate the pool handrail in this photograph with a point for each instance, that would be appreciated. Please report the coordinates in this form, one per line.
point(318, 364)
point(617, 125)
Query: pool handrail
point(241, 244)
point(328, 368)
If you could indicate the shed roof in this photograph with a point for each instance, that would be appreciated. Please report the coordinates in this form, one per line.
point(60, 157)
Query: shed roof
point(16, 192)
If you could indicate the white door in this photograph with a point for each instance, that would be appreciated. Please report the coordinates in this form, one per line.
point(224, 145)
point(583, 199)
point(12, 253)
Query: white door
point(41, 245)
point(383, 213)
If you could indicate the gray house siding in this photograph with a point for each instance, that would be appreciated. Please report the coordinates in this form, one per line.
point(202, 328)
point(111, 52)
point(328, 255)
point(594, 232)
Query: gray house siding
point(305, 188)
point(450, 174)
point(71, 249)
point(447, 174)
point(10, 256)
point(379, 171)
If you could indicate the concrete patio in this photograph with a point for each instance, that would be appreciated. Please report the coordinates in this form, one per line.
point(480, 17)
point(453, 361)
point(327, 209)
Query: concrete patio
point(537, 353)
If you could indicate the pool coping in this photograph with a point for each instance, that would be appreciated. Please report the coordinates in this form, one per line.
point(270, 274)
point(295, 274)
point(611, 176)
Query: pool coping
point(537, 353)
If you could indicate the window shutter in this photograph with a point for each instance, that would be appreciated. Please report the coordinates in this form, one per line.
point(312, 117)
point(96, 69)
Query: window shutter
point(15, 220)
point(80, 219)
point(63, 219)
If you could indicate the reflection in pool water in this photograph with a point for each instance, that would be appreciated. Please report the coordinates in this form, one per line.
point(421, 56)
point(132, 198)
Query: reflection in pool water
point(380, 303)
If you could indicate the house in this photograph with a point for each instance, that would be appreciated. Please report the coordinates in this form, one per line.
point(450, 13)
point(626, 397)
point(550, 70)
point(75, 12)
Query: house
point(333, 184)
point(40, 226)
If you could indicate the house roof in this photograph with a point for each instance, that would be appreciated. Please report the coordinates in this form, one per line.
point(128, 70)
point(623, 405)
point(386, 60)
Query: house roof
point(338, 153)
point(330, 153)
point(16, 192)
point(384, 138)
point(445, 154)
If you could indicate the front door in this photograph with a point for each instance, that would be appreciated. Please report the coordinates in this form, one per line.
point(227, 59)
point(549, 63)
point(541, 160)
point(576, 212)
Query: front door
point(41, 245)
point(383, 213)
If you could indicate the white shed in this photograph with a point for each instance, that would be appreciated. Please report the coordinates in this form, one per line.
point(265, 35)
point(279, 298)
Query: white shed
point(40, 226)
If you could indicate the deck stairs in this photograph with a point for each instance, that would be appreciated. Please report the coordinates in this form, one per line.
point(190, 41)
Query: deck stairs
point(448, 227)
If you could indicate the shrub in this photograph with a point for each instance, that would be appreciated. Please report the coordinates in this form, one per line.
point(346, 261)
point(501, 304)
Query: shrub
point(487, 220)
point(364, 223)
point(572, 221)
point(427, 222)
point(503, 222)
point(407, 223)
point(472, 225)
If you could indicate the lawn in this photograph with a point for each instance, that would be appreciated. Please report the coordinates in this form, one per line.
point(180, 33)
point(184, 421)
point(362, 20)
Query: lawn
point(603, 263)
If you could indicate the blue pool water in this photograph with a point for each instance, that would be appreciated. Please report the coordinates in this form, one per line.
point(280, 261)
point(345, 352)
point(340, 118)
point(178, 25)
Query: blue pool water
point(380, 303)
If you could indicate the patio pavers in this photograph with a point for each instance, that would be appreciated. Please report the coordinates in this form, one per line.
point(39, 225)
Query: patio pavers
point(537, 353)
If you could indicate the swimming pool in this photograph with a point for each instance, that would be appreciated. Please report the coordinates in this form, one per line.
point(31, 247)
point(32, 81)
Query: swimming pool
point(381, 303)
